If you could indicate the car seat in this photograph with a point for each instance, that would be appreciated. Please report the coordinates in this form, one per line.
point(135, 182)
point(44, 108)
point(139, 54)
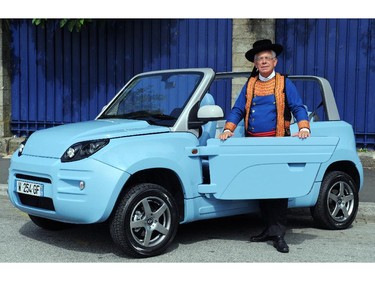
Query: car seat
point(208, 129)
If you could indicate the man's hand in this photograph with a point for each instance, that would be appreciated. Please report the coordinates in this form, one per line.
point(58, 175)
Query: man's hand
point(226, 134)
point(302, 134)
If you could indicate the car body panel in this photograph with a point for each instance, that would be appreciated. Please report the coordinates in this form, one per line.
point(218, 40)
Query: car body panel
point(255, 168)
point(54, 141)
point(71, 204)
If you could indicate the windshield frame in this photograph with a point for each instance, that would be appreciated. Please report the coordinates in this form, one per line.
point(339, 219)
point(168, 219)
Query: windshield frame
point(176, 122)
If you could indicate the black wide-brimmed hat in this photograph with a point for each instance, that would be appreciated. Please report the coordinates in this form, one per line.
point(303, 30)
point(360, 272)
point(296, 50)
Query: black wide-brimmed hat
point(263, 45)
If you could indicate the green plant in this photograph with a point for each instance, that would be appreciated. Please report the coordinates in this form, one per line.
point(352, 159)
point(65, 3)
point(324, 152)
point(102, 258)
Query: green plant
point(363, 149)
point(71, 24)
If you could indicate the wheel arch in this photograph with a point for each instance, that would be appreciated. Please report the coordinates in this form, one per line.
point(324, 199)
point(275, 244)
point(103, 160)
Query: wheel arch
point(337, 203)
point(347, 167)
point(161, 176)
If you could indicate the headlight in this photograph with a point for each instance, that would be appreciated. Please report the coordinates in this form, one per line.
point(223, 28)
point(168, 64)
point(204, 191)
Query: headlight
point(82, 150)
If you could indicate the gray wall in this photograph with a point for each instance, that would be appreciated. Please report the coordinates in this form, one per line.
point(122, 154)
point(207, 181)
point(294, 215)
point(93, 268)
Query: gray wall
point(5, 89)
point(245, 33)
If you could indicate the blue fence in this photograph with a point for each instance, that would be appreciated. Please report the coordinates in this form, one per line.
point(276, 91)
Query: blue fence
point(342, 51)
point(63, 77)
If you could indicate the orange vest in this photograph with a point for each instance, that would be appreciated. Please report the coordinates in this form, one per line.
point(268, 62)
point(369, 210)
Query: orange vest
point(282, 125)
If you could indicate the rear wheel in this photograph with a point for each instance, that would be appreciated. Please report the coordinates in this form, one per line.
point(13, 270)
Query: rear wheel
point(145, 221)
point(337, 203)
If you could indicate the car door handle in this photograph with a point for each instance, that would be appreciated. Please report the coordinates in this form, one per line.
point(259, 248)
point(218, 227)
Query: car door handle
point(296, 166)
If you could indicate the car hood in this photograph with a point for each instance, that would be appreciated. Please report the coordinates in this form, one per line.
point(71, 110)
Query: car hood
point(53, 142)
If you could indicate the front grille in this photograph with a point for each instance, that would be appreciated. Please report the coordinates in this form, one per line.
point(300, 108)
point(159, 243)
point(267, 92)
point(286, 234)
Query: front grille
point(32, 178)
point(37, 202)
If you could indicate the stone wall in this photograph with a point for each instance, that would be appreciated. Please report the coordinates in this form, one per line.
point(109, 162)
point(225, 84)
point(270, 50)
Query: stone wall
point(5, 82)
point(5, 88)
point(245, 33)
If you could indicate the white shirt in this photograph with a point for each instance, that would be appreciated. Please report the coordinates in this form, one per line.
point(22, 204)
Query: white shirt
point(264, 79)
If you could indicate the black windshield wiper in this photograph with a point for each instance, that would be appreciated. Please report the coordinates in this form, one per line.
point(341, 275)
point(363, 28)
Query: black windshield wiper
point(132, 115)
point(161, 116)
point(150, 116)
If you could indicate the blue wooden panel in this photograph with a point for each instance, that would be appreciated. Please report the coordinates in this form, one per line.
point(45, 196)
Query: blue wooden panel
point(48, 54)
point(93, 75)
point(24, 67)
point(343, 51)
point(16, 89)
point(66, 77)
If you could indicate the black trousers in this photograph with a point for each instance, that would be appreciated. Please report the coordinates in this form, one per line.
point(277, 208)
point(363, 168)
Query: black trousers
point(274, 213)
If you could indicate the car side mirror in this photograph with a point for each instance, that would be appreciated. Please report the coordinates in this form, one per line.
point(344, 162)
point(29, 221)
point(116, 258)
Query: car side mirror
point(210, 113)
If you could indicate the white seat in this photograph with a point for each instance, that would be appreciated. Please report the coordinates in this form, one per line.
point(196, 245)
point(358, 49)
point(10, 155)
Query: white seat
point(208, 129)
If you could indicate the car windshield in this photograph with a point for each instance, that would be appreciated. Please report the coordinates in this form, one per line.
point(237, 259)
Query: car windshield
point(156, 98)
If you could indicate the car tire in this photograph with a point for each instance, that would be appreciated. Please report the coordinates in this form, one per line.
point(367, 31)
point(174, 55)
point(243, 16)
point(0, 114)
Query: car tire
point(337, 204)
point(145, 221)
point(49, 224)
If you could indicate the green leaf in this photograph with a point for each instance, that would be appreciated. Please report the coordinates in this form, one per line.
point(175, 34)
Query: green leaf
point(71, 24)
point(63, 22)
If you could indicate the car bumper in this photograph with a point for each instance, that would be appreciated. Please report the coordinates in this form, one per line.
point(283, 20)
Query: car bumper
point(78, 192)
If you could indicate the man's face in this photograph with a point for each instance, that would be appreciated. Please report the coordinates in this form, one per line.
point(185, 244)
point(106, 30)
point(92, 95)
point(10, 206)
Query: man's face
point(265, 62)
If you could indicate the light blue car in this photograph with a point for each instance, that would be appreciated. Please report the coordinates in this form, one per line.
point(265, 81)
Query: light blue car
point(151, 160)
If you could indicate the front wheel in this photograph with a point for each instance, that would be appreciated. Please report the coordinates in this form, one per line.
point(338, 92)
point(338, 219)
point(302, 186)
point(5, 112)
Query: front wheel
point(337, 203)
point(145, 221)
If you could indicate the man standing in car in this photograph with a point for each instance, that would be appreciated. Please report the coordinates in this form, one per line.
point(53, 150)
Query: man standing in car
point(266, 103)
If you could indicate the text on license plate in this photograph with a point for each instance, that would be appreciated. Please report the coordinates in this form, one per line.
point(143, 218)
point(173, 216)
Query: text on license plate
point(29, 188)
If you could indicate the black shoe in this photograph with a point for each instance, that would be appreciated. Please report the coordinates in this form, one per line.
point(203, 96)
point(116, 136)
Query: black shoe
point(261, 237)
point(280, 244)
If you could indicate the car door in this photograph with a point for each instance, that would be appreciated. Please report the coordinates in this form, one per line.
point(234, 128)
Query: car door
point(269, 167)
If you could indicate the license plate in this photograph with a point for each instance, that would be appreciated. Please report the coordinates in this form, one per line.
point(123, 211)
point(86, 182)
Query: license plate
point(30, 188)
